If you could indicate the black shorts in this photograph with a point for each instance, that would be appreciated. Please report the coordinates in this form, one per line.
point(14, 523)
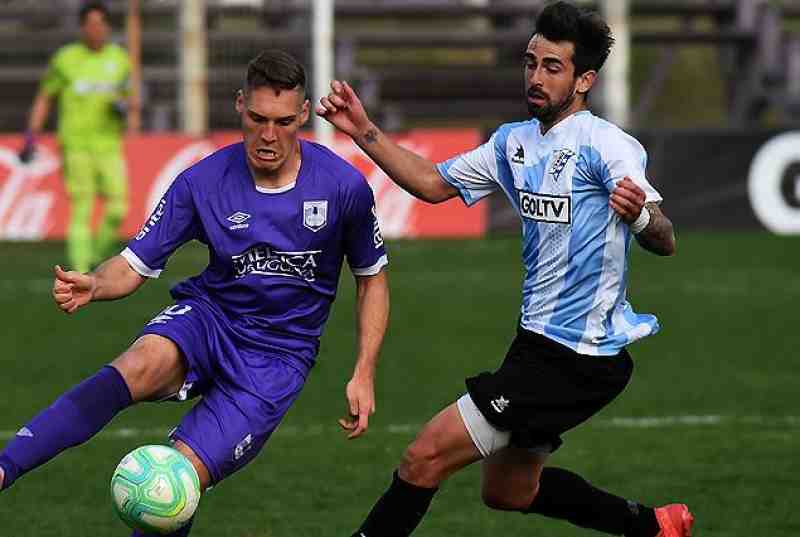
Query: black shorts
point(544, 389)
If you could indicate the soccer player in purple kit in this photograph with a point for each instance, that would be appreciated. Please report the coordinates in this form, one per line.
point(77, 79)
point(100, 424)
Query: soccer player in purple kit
point(278, 215)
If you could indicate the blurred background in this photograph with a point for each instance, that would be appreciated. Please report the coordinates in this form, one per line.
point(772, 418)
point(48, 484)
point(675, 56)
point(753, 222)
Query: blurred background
point(710, 87)
point(704, 84)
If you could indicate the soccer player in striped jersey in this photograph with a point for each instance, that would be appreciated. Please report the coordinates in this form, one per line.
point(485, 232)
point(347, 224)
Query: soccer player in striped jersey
point(579, 186)
point(279, 216)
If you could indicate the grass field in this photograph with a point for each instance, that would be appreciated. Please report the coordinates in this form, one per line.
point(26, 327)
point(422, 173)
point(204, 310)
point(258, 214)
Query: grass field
point(711, 417)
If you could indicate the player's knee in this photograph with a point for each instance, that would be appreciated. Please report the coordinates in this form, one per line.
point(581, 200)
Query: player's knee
point(116, 209)
point(422, 464)
point(152, 367)
point(81, 212)
point(502, 498)
point(202, 472)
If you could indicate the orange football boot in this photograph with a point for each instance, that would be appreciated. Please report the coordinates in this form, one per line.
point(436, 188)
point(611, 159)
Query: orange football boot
point(675, 520)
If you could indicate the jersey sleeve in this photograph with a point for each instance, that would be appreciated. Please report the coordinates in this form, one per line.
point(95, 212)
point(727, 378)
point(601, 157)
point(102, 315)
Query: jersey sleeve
point(124, 89)
point(475, 173)
point(174, 222)
point(55, 79)
point(623, 156)
point(363, 242)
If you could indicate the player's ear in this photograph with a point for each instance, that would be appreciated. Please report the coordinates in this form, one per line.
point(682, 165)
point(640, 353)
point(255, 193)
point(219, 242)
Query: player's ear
point(305, 112)
point(240, 101)
point(585, 82)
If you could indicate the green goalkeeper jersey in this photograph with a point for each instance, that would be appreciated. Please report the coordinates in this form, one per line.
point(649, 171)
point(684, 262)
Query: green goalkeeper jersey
point(87, 84)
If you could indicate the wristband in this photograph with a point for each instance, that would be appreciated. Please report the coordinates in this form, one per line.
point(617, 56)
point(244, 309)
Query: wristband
point(641, 222)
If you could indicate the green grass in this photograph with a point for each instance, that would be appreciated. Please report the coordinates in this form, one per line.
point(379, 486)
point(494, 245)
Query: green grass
point(728, 304)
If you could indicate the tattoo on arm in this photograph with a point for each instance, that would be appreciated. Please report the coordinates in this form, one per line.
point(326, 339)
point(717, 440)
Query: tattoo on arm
point(371, 136)
point(658, 237)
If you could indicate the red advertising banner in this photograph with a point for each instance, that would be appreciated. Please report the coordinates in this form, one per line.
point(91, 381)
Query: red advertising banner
point(33, 204)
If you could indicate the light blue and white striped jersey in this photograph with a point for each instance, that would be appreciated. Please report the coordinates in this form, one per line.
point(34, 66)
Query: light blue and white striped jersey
point(574, 246)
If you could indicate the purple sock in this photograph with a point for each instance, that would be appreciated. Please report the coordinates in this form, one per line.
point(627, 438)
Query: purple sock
point(183, 532)
point(73, 419)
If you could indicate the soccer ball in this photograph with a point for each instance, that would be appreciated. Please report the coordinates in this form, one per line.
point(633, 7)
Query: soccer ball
point(155, 489)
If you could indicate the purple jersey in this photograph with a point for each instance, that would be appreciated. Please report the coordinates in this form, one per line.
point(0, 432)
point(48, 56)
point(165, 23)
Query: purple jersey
point(274, 254)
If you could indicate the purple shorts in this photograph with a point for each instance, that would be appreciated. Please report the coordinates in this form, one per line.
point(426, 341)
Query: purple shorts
point(246, 392)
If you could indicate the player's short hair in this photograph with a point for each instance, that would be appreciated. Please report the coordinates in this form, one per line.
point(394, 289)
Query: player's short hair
point(88, 7)
point(275, 69)
point(582, 27)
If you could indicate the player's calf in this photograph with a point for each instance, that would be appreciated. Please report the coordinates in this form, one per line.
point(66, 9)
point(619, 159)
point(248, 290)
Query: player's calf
point(71, 420)
point(500, 500)
point(567, 496)
point(510, 478)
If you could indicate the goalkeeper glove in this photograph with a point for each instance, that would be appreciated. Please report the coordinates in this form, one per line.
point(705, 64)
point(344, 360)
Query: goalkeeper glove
point(28, 150)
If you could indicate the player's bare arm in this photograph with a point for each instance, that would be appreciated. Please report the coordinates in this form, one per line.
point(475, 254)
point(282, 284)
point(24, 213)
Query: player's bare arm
point(658, 237)
point(372, 318)
point(112, 280)
point(413, 173)
point(628, 200)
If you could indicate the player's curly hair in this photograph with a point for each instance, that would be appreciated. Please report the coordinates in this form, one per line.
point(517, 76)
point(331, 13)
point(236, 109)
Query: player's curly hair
point(276, 69)
point(584, 28)
point(88, 7)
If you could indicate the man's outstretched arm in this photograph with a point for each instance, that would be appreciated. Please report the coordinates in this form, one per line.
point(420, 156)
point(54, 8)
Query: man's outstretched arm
point(112, 280)
point(413, 173)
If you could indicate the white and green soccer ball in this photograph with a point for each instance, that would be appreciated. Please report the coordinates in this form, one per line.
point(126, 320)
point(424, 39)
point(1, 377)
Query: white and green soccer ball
point(155, 489)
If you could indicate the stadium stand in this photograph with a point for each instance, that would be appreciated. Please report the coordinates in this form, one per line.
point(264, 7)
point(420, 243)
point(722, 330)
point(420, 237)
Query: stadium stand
point(444, 61)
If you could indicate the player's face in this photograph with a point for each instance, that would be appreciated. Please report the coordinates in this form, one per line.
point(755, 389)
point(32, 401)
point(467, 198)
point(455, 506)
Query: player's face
point(550, 83)
point(271, 120)
point(95, 29)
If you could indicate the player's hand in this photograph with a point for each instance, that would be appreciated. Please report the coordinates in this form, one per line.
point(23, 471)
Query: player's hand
point(72, 290)
point(28, 150)
point(360, 403)
point(343, 109)
point(627, 200)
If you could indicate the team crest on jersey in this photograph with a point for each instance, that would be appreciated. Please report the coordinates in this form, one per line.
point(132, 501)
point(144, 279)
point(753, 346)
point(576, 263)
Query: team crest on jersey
point(315, 214)
point(560, 160)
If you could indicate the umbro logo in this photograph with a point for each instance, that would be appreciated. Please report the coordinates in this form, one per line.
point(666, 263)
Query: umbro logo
point(500, 404)
point(238, 220)
point(519, 156)
point(25, 432)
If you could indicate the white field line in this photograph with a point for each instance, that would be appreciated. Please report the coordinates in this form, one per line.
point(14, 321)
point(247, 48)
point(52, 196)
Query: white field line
point(643, 422)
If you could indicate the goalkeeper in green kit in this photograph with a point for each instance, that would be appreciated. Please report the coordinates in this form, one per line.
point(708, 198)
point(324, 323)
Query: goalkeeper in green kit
point(89, 79)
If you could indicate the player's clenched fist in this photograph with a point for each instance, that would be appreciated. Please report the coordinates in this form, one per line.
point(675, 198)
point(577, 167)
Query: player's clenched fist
point(343, 109)
point(627, 200)
point(72, 290)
